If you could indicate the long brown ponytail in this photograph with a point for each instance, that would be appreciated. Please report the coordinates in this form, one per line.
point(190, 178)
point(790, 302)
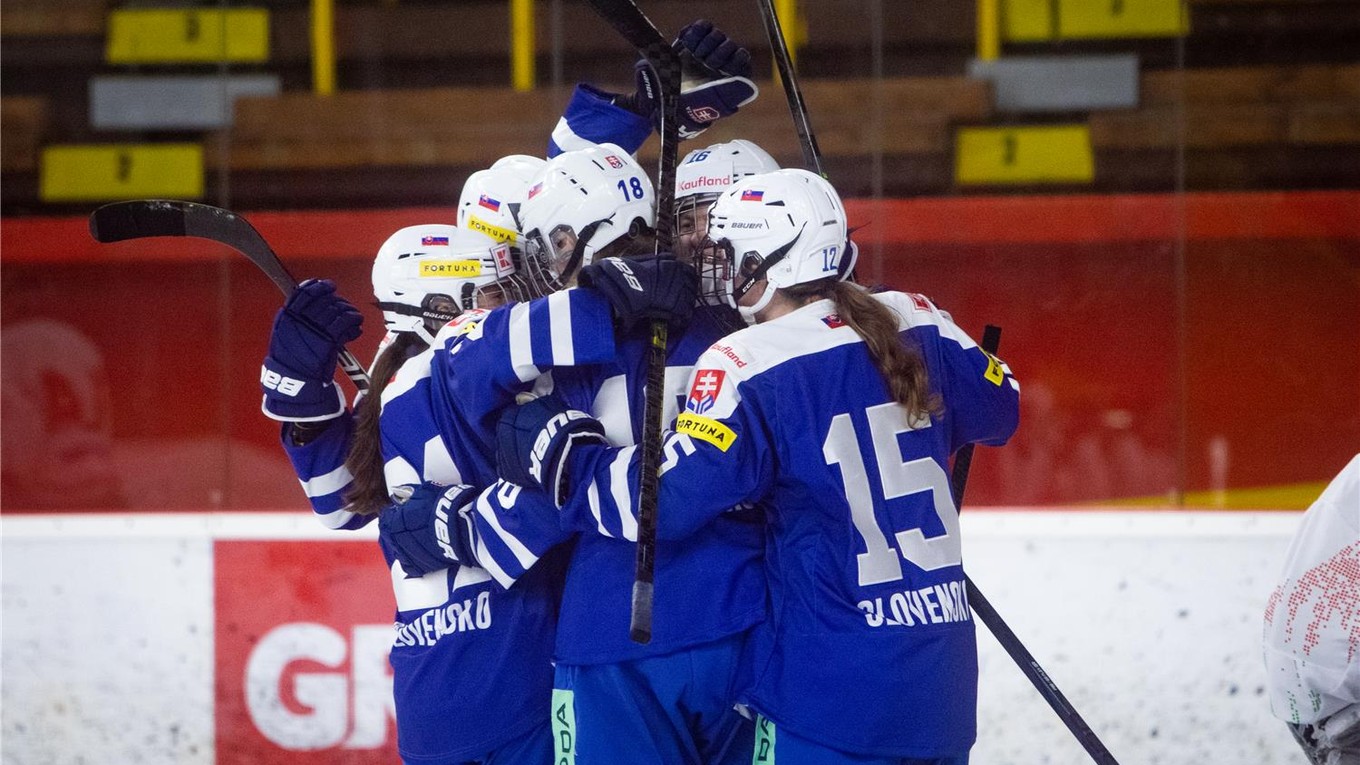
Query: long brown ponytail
point(903, 368)
point(367, 492)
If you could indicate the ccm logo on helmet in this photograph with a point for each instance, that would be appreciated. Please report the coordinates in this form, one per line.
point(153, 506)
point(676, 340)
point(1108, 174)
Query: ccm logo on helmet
point(545, 438)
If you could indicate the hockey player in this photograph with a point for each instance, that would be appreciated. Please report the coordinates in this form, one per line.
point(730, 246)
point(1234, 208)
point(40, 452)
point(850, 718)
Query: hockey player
point(669, 701)
point(454, 617)
point(1312, 646)
point(701, 177)
point(836, 413)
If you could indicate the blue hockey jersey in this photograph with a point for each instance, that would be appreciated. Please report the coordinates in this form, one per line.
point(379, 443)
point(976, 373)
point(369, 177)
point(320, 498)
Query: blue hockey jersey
point(869, 644)
point(708, 585)
point(438, 417)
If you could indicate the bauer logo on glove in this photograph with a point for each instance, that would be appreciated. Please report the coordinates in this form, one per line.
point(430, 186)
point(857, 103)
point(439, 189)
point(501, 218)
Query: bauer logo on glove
point(546, 438)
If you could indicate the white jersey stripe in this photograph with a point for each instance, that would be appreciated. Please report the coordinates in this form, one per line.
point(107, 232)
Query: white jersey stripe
point(623, 497)
point(335, 520)
point(593, 499)
point(566, 138)
point(328, 483)
point(521, 344)
point(559, 324)
point(516, 547)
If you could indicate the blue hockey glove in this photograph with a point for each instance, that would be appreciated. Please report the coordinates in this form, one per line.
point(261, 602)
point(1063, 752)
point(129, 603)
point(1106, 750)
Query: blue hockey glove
point(640, 289)
point(710, 47)
point(298, 374)
point(534, 440)
point(716, 81)
point(422, 530)
point(702, 101)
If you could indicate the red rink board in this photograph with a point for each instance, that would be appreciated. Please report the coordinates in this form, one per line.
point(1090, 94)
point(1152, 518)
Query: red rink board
point(301, 633)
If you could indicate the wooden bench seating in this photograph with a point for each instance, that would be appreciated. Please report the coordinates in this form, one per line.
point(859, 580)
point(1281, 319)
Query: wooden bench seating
point(24, 121)
point(471, 127)
point(1238, 107)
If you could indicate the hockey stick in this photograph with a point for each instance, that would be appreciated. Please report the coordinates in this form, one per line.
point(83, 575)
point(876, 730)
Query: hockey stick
point(629, 21)
point(139, 219)
point(963, 461)
point(779, 49)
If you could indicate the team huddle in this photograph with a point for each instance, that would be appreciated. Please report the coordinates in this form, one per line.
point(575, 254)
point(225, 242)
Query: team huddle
point(809, 600)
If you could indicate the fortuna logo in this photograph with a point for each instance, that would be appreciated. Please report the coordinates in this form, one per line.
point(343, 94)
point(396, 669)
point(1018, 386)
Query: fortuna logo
point(706, 182)
point(474, 223)
point(613, 161)
point(704, 392)
point(445, 268)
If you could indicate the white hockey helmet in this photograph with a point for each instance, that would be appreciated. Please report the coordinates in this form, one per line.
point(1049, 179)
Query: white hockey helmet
point(424, 276)
point(579, 203)
point(702, 176)
point(491, 198)
point(787, 227)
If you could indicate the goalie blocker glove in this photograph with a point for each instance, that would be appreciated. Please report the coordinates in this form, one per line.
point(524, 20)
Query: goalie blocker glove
point(416, 527)
point(716, 81)
point(534, 441)
point(638, 289)
point(298, 375)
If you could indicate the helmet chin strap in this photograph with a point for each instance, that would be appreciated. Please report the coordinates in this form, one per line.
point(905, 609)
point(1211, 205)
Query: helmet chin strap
point(748, 312)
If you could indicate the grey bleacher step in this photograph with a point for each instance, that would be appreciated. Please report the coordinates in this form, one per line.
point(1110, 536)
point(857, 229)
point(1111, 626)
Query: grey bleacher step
point(1060, 83)
point(171, 102)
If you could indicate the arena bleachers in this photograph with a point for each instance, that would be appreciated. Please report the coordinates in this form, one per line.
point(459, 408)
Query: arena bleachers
point(1216, 108)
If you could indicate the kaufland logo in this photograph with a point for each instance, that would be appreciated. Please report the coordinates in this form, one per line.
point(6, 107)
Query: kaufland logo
point(706, 182)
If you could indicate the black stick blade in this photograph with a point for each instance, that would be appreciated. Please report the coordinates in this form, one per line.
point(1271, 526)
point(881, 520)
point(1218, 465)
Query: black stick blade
point(121, 221)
